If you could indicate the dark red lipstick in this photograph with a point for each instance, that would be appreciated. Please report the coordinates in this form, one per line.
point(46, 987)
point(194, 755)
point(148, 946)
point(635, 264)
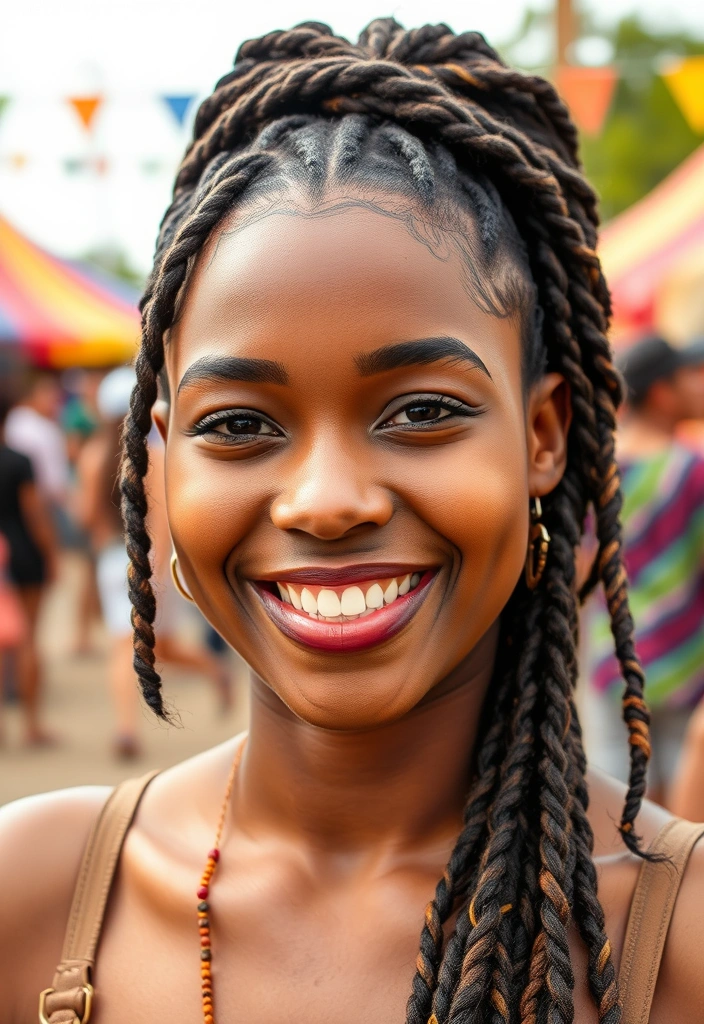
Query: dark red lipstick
point(345, 636)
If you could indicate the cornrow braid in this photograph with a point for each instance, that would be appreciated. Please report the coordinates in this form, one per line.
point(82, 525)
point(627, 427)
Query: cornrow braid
point(158, 310)
point(438, 120)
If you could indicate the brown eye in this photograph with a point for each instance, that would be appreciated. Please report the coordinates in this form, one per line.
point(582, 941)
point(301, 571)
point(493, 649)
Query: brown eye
point(425, 412)
point(419, 412)
point(243, 425)
point(235, 426)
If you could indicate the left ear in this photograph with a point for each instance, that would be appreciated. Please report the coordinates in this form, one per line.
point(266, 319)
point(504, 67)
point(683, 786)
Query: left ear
point(548, 419)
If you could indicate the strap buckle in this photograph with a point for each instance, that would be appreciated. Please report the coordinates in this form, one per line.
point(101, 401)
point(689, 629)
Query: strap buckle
point(88, 992)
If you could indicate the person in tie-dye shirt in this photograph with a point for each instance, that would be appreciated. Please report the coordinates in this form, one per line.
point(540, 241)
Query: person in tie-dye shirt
point(663, 522)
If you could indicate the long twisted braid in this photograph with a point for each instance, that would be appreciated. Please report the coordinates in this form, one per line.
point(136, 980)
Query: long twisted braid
point(439, 120)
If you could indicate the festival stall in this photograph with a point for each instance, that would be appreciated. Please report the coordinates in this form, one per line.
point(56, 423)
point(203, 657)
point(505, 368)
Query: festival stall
point(653, 258)
point(58, 314)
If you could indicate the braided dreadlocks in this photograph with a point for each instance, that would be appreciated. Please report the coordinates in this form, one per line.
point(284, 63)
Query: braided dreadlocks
point(439, 121)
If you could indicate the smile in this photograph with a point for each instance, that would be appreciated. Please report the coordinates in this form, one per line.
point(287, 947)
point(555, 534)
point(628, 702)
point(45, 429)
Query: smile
point(340, 614)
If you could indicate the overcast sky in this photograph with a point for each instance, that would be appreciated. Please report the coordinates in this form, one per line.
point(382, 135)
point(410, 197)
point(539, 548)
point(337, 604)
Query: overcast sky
point(133, 50)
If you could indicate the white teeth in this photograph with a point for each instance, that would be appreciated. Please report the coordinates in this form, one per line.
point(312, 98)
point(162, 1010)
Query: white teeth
point(352, 601)
point(331, 606)
point(308, 602)
point(328, 604)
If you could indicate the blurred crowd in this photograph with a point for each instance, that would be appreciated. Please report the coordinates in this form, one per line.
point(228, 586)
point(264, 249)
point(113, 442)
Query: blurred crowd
point(59, 492)
point(660, 452)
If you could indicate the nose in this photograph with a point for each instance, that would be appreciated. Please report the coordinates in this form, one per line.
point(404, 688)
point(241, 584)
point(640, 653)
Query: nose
point(329, 493)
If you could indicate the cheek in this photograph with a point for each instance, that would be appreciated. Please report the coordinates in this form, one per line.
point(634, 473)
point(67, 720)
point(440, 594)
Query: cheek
point(477, 498)
point(208, 516)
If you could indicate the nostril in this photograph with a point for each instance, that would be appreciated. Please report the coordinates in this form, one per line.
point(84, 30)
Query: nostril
point(327, 531)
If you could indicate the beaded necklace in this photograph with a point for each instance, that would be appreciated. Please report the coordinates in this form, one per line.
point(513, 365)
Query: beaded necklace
point(206, 952)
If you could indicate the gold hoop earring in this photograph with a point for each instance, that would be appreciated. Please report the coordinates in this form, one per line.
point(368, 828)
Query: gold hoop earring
point(177, 580)
point(538, 544)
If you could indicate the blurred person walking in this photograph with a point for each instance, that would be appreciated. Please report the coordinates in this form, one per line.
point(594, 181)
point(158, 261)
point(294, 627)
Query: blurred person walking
point(32, 428)
point(13, 626)
point(79, 422)
point(79, 416)
point(26, 526)
point(663, 524)
point(98, 511)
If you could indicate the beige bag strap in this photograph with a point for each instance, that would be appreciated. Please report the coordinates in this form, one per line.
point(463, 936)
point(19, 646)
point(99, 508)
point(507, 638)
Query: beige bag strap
point(69, 1000)
point(649, 919)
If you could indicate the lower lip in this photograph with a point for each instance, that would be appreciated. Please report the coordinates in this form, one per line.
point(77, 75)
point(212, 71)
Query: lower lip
point(345, 637)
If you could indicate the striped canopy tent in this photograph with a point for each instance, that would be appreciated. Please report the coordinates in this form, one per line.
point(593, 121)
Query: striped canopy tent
point(56, 313)
point(653, 258)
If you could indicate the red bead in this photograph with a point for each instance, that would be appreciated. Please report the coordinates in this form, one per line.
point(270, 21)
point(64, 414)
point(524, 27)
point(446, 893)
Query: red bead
point(202, 893)
point(214, 855)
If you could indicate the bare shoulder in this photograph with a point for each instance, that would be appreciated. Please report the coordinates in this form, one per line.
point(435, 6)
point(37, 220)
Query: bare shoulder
point(617, 868)
point(42, 839)
point(679, 994)
point(606, 800)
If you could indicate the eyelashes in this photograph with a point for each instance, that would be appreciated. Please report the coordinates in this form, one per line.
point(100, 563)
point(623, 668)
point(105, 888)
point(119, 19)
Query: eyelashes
point(416, 413)
point(242, 426)
point(423, 411)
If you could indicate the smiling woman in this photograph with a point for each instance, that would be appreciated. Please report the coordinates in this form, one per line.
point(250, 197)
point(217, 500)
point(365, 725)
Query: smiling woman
point(374, 344)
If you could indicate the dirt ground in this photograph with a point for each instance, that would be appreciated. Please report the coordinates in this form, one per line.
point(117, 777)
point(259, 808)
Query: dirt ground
point(79, 712)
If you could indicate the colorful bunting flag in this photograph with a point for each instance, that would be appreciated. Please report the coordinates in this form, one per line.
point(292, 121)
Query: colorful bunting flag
point(588, 93)
point(179, 106)
point(86, 107)
point(685, 80)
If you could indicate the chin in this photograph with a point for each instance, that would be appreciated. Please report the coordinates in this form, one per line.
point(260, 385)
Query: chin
point(354, 706)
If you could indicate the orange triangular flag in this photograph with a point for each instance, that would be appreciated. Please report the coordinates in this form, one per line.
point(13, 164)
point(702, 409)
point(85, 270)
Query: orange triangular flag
point(86, 107)
point(685, 80)
point(588, 93)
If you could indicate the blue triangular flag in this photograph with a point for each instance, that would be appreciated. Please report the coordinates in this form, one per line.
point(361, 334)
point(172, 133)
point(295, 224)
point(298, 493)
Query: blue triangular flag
point(179, 106)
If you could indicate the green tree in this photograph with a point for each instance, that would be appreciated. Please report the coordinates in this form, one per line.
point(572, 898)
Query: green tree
point(114, 261)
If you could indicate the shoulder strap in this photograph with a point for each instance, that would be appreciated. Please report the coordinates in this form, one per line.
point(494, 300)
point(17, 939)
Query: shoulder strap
point(649, 919)
point(70, 998)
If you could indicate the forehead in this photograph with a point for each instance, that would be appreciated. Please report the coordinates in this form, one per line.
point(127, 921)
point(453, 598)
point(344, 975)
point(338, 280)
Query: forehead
point(350, 275)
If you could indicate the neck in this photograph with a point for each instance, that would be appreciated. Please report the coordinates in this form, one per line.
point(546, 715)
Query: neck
point(397, 785)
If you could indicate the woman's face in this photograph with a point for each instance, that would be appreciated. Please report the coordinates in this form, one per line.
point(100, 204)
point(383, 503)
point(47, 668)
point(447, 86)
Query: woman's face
point(349, 458)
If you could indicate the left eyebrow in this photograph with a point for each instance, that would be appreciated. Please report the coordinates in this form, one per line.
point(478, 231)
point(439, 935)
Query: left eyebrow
point(417, 353)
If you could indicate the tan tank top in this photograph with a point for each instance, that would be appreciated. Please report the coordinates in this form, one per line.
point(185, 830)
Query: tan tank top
point(69, 1000)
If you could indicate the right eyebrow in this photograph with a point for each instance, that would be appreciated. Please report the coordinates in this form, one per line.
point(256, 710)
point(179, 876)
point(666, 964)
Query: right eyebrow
point(216, 369)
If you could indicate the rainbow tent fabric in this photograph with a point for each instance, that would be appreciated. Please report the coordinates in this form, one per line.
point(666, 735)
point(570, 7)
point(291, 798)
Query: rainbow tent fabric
point(653, 258)
point(62, 314)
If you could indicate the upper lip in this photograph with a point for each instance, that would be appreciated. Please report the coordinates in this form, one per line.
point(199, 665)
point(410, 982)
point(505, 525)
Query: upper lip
point(339, 575)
